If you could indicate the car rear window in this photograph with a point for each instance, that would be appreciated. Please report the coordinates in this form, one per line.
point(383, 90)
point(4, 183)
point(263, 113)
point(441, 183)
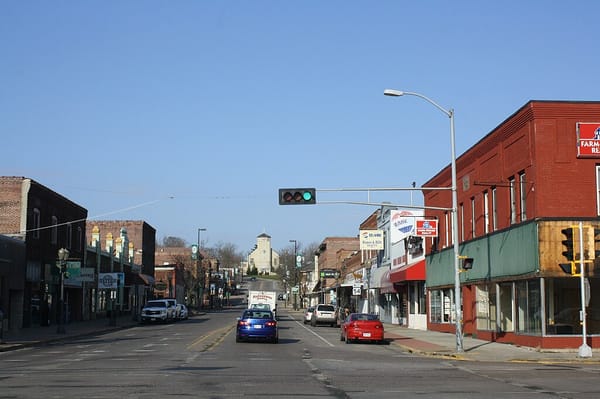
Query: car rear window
point(326, 308)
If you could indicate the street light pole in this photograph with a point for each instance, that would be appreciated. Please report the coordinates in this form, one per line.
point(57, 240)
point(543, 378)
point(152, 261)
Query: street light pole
point(295, 267)
point(457, 289)
point(63, 255)
point(202, 287)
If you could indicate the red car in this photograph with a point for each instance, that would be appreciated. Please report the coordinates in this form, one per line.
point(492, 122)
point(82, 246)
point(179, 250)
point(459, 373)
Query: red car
point(362, 327)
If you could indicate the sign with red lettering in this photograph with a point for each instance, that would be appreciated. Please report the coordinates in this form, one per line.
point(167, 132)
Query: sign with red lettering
point(427, 228)
point(588, 140)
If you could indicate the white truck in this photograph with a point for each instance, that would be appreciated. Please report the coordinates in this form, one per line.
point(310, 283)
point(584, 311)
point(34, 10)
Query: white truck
point(262, 300)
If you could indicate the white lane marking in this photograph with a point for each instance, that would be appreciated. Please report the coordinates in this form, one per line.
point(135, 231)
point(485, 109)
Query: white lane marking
point(311, 331)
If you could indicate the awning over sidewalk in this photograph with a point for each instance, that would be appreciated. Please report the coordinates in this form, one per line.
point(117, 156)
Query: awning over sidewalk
point(414, 272)
point(148, 280)
point(380, 278)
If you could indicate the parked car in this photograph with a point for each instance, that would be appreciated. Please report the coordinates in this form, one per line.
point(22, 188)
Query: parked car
point(158, 310)
point(324, 314)
point(255, 324)
point(362, 327)
point(182, 312)
point(308, 314)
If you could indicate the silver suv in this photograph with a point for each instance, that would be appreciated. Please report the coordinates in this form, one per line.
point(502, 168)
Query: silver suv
point(158, 310)
point(324, 314)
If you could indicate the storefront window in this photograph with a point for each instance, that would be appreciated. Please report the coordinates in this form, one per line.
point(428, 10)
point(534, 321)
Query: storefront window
point(486, 307)
point(528, 306)
point(441, 306)
point(563, 306)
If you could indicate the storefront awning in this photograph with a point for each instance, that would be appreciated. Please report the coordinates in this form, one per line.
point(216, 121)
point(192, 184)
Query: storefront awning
point(414, 272)
point(148, 280)
point(380, 278)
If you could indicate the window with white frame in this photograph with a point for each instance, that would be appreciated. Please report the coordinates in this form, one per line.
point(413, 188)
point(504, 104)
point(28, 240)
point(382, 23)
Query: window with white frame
point(448, 229)
point(473, 219)
point(486, 213)
point(37, 220)
point(54, 231)
point(462, 222)
point(523, 196)
point(494, 210)
point(513, 203)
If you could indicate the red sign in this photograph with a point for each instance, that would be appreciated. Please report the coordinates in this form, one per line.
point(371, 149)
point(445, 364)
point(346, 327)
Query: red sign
point(427, 228)
point(588, 140)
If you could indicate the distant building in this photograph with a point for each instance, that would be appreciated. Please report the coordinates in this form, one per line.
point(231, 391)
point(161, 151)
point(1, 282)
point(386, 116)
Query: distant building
point(263, 257)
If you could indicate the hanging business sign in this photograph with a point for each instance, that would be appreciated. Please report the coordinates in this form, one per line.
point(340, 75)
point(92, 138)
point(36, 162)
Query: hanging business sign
point(588, 140)
point(371, 240)
point(402, 224)
point(427, 228)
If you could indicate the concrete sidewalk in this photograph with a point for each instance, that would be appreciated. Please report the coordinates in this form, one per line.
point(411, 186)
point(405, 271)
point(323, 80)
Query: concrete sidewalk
point(433, 343)
point(37, 335)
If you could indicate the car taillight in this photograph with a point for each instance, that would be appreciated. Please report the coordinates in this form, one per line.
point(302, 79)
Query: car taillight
point(270, 324)
point(242, 323)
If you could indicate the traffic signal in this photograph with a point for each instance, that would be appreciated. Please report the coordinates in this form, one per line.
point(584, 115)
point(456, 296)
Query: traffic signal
point(297, 196)
point(568, 243)
point(570, 268)
point(467, 263)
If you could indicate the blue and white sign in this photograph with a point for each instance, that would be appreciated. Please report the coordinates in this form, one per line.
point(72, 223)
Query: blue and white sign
point(110, 280)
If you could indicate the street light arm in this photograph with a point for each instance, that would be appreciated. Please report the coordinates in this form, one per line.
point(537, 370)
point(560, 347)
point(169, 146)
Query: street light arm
point(399, 93)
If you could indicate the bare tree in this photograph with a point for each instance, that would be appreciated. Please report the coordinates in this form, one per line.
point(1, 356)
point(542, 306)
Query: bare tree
point(227, 254)
point(171, 241)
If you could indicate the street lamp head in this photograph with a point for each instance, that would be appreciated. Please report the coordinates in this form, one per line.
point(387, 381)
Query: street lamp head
point(63, 254)
point(393, 93)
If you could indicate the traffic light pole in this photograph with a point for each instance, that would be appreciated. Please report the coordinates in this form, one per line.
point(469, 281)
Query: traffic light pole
point(584, 349)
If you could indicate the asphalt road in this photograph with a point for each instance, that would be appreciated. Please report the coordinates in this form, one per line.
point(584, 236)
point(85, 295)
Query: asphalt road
point(200, 358)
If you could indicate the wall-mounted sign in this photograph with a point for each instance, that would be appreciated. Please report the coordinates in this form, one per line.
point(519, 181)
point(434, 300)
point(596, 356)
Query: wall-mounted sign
point(588, 140)
point(110, 280)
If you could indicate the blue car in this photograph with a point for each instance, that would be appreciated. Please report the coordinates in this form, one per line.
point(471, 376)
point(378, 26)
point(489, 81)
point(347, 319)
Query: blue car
point(256, 324)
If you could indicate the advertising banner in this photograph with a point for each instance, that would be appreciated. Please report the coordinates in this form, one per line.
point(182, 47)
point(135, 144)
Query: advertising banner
point(588, 140)
point(371, 240)
point(427, 228)
point(402, 224)
point(110, 280)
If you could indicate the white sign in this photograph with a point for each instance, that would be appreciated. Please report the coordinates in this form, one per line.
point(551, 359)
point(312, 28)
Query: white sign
point(371, 240)
point(402, 224)
point(110, 280)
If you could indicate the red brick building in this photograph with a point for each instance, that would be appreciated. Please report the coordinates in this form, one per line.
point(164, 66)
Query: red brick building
point(519, 189)
point(45, 221)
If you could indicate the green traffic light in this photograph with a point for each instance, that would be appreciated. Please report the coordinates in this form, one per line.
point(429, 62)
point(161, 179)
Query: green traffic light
point(307, 196)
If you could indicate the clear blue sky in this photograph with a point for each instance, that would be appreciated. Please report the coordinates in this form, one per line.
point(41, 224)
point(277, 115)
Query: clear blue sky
point(119, 105)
